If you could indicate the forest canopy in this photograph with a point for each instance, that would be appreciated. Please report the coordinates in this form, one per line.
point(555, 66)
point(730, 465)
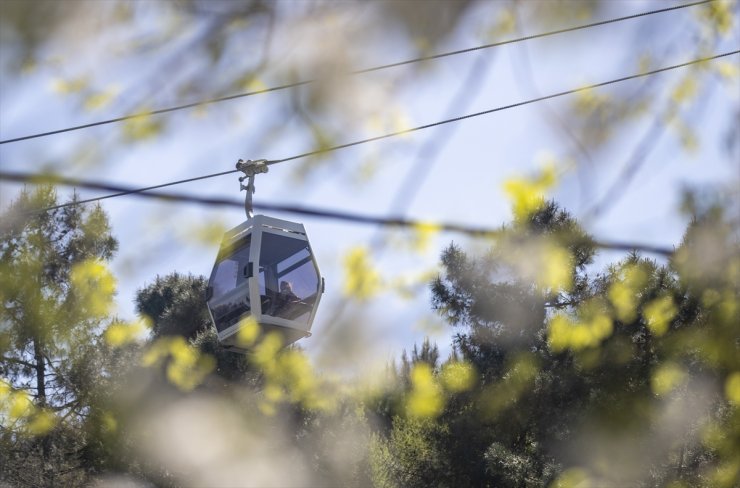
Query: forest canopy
point(559, 374)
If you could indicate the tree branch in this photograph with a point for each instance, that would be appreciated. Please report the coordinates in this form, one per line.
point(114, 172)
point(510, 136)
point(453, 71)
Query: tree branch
point(18, 361)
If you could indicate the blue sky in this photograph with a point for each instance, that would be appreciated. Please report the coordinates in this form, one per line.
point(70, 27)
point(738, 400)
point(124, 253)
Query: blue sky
point(464, 184)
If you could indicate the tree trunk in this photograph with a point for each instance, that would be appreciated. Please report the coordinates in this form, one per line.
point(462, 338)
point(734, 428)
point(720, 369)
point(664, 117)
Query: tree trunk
point(40, 366)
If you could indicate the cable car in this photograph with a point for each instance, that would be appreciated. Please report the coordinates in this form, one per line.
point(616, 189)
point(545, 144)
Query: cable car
point(265, 269)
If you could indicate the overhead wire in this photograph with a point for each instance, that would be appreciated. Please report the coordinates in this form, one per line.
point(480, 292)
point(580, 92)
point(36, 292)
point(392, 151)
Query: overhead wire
point(401, 132)
point(352, 73)
point(399, 222)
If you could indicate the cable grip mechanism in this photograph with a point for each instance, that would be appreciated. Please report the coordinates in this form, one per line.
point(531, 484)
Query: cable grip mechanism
point(250, 169)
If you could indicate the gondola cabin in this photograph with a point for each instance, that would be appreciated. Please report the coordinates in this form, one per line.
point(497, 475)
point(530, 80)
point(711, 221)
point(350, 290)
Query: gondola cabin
point(265, 269)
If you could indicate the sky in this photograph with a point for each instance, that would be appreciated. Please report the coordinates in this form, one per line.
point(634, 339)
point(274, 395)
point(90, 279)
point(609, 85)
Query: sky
point(463, 184)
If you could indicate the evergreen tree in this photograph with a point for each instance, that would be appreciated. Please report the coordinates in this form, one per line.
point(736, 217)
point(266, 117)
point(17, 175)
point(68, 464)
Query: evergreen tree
point(50, 321)
point(577, 382)
point(175, 304)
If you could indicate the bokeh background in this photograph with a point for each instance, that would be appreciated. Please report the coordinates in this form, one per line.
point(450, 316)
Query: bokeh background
point(634, 163)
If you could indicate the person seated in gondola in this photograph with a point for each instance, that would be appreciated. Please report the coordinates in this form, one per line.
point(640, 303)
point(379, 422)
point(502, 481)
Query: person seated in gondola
point(285, 299)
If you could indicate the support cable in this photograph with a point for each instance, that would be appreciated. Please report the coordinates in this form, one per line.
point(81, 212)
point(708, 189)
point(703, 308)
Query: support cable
point(352, 73)
point(5, 175)
point(399, 222)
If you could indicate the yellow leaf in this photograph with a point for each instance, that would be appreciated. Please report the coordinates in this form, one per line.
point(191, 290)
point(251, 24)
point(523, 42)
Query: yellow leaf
point(109, 422)
point(42, 423)
point(666, 378)
point(588, 100)
point(156, 352)
point(425, 399)
point(141, 127)
point(527, 195)
point(267, 350)
point(248, 332)
point(121, 334)
point(659, 313)
point(20, 405)
point(66, 87)
point(573, 478)
point(566, 333)
point(99, 100)
point(556, 270)
point(458, 376)
point(253, 84)
point(424, 232)
point(623, 293)
point(728, 70)
point(719, 14)
point(361, 281)
point(685, 90)
point(209, 233)
point(95, 286)
point(505, 24)
point(732, 388)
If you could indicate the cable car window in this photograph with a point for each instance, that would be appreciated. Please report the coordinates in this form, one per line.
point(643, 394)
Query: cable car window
point(228, 313)
point(229, 271)
point(228, 275)
point(289, 281)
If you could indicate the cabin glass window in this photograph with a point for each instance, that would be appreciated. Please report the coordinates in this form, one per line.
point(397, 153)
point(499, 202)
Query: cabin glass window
point(289, 280)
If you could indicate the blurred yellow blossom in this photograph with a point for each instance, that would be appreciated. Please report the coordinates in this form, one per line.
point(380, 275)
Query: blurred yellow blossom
point(69, 86)
point(123, 333)
point(685, 90)
point(732, 388)
point(425, 399)
point(19, 404)
point(248, 332)
point(95, 285)
point(101, 99)
point(566, 333)
point(424, 232)
point(186, 366)
point(589, 100)
point(623, 293)
point(288, 375)
point(726, 474)
point(666, 377)
point(505, 24)
point(361, 280)
point(458, 376)
point(521, 372)
point(556, 269)
point(659, 313)
point(265, 352)
point(5, 390)
point(719, 14)
point(527, 195)
point(710, 297)
point(209, 233)
point(573, 478)
point(42, 422)
point(141, 127)
point(273, 392)
point(109, 422)
point(252, 84)
point(729, 71)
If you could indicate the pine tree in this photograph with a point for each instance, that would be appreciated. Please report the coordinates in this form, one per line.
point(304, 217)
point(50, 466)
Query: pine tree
point(56, 297)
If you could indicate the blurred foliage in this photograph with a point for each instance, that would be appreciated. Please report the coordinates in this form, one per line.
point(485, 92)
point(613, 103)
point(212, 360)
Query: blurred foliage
point(561, 374)
point(57, 295)
point(630, 376)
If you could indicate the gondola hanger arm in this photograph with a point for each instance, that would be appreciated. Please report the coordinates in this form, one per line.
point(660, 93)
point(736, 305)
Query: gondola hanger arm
point(250, 168)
